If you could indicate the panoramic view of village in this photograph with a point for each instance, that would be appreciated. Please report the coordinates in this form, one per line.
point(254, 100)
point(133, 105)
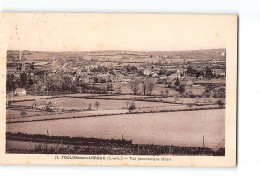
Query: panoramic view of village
point(116, 102)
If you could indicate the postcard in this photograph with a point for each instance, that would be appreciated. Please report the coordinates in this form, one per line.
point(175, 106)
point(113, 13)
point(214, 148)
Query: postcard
point(118, 89)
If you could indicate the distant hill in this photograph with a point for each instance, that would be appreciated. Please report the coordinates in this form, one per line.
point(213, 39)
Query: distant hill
point(192, 54)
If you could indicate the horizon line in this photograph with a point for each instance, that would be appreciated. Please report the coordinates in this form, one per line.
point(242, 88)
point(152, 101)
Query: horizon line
point(120, 50)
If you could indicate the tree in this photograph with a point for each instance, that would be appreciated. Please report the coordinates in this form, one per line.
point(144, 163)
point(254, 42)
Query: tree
point(30, 81)
point(32, 66)
point(132, 107)
point(162, 93)
point(67, 81)
point(220, 103)
point(209, 73)
point(55, 82)
point(97, 104)
point(119, 90)
point(23, 78)
point(190, 94)
point(162, 71)
point(148, 86)
point(38, 85)
point(89, 106)
point(167, 92)
point(177, 82)
point(159, 62)
point(176, 98)
point(181, 88)
point(109, 86)
point(127, 103)
point(190, 105)
point(49, 106)
point(23, 113)
point(220, 93)
point(11, 83)
point(144, 87)
point(134, 86)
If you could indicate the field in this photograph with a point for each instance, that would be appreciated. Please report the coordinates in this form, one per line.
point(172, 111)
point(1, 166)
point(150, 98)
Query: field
point(172, 128)
point(13, 114)
point(44, 144)
point(83, 103)
point(77, 105)
point(142, 56)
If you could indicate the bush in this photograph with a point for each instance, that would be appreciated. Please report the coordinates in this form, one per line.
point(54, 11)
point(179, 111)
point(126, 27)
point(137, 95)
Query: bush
point(90, 107)
point(181, 88)
point(220, 103)
point(132, 107)
point(97, 104)
point(23, 113)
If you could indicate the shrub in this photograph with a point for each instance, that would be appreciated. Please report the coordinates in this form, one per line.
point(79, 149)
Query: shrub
point(220, 103)
point(97, 104)
point(23, 113)
point(89, 106)
point(132, 107)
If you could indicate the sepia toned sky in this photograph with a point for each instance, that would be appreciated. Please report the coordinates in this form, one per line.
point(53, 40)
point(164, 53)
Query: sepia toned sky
point(87, 32)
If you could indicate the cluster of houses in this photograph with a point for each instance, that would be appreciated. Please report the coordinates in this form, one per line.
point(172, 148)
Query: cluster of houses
point(114, 72)
point(41, 104)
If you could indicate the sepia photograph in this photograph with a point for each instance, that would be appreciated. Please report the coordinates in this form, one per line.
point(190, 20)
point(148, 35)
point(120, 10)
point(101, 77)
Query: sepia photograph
point(116, 88)
point(116, 102)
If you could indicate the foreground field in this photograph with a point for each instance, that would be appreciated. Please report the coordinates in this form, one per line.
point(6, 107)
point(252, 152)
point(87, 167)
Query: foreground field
point(44, 144)
point(172, 128)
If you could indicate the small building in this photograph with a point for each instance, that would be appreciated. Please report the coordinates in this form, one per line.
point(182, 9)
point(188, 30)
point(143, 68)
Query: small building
point(20, 92)
point(52, 107)
point(79, 89)
point(147, 71)
point(155, 75)
point(39, 104)
point(126, 80)
point(181, 72)
point(218, 72)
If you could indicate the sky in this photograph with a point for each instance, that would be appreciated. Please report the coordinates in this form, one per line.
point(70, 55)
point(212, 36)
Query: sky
point(142, 32)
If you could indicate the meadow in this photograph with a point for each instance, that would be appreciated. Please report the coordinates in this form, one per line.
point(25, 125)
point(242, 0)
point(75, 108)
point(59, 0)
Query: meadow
point(185, 128)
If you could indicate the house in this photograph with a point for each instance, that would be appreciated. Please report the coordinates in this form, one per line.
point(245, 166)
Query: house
point(163, 77)
point(189, 83)
point(126, 80)
point(52, 107)
point(39, 104)
point(147, 71)
point(79, 89)
point(218, 72)
point(181, 72)
point(74, 78)
point(20, 92)
point(155, 75)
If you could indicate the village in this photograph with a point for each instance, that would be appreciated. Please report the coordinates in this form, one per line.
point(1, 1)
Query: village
point(33, 83)
point(111, 94)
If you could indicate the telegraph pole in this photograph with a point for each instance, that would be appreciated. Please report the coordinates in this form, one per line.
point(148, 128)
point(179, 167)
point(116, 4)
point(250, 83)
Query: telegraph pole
point(203, 142)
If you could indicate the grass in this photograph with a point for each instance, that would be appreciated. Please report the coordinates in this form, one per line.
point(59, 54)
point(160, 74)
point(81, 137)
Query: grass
point(44, 144)
point(82, 103)
point(16, 113)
